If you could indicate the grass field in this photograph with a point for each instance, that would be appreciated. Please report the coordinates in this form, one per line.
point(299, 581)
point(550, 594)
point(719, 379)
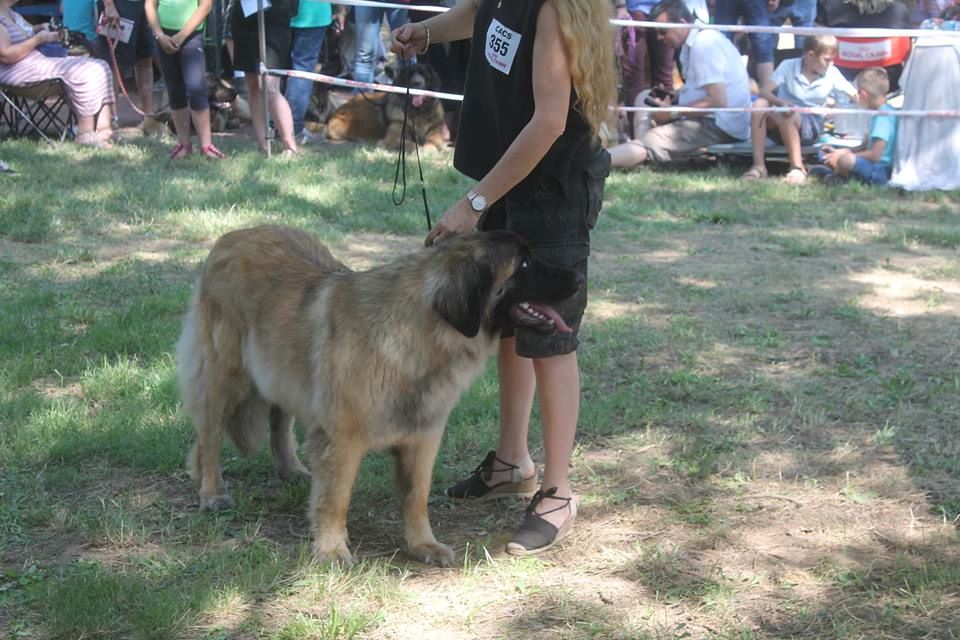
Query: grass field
point(769, 444)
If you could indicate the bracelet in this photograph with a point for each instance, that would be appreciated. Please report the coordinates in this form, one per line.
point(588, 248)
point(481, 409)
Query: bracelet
point(427, 45)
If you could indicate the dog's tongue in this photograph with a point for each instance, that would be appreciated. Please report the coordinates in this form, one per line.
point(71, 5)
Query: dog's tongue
point(548, 311)
point(416, 100)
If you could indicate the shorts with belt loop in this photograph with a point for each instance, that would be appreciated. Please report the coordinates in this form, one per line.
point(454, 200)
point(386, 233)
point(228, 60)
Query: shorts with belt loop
point(555, 223)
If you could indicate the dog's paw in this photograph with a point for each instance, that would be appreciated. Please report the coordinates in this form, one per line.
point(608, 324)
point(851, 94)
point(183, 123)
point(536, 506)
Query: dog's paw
point(432, 553)
point(221, 502)
point(338, 555)
point(296, 473)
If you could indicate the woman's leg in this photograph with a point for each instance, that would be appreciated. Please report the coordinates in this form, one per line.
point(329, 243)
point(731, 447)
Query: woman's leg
point(85, 125)
point(517, 386)
point(193, 71)
point(304, 52)
point(367, 21)
point(255, 100)
point(280, 112)
point(558, 386)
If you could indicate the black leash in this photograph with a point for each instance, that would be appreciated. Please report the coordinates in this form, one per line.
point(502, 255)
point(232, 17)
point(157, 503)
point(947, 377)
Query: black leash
point(400, 175)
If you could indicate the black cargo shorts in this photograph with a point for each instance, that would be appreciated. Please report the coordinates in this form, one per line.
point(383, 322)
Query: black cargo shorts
point(555, 222)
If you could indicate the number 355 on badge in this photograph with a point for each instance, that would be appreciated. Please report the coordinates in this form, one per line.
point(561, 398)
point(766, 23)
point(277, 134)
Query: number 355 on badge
point(501, 46)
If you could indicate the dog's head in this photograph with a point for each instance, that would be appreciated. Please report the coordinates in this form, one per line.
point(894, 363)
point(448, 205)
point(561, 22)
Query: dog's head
point(418, 76)
point(491, 281)
point(220, 92)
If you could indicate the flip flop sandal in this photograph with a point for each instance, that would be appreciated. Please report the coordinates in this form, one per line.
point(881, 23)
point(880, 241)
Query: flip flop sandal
point(181, 151)
point(211, 152)
point(754, 173)
point(536, 534)
point(475, 487)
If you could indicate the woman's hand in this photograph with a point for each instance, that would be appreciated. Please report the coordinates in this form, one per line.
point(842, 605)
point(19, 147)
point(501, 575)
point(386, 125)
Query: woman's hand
point(168, 44)
point(47, 36)
point(409, 39)
point(460, 218)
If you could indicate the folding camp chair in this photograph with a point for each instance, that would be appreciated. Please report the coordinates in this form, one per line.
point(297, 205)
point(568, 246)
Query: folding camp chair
point(39, 107)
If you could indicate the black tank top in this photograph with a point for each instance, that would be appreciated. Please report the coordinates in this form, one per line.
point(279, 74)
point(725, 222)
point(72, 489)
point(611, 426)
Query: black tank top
point(498, 101)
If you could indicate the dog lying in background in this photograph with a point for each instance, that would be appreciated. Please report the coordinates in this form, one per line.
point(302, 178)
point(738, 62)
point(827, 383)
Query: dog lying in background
point(377, 116)
point(279, 329)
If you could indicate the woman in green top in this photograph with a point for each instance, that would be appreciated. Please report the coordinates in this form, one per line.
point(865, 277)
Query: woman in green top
point(177, 26)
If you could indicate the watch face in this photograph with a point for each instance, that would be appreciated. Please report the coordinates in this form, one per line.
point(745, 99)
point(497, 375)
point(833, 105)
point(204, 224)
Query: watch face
point(479, 203)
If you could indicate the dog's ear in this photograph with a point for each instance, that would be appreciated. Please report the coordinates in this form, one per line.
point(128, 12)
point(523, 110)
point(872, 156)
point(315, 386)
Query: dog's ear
point(462, 299)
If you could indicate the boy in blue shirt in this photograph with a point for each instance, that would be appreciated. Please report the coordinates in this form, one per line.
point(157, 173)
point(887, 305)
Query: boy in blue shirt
point(807, 81)
point(874, 163)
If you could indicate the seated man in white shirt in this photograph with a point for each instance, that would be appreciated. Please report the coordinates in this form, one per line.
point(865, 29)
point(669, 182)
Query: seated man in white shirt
point(714, 76)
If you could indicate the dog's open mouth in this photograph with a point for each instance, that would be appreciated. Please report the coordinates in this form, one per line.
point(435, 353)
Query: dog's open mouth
point(540, 317)
point(416, 101)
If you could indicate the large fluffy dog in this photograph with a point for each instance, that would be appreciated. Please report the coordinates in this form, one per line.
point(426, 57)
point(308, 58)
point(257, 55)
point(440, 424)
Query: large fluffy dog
point(378, 116)
point(278, 329)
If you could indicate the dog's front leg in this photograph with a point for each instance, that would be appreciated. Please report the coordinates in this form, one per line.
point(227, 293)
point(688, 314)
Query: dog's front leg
point(334, 463)
point(414, 459)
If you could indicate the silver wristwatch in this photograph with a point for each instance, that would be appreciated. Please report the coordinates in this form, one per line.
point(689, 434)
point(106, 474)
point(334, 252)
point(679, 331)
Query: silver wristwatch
point(477, 202)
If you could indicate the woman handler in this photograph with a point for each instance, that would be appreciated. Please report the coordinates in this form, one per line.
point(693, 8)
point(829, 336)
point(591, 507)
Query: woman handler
point(539, 83)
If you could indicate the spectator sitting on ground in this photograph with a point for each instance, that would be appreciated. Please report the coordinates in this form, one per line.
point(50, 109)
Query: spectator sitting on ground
point(874, 164)
point(713, 77)
point(808, 81)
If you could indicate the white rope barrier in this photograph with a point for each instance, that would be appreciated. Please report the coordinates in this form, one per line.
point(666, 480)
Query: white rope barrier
point(356, 84)
point(821, 111)
point(736, 28)
point(857, 32)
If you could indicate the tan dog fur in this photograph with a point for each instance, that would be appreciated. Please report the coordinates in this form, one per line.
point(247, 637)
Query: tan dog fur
point(279, 329)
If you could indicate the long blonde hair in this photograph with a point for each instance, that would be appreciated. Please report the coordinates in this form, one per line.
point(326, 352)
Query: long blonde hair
point(588, 36)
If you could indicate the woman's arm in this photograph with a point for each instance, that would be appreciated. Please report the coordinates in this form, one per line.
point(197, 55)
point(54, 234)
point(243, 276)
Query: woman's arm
point(551, 94)
point(14, 53)
point(455, 24)
point(196, 18)
point(153, 20)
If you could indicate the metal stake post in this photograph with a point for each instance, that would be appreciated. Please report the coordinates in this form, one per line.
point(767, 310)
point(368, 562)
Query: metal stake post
point(261, 25)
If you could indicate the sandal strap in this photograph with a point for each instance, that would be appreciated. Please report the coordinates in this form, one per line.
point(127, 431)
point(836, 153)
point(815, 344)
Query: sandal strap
point(474, 485)
point(211, 151)
point(540, 496)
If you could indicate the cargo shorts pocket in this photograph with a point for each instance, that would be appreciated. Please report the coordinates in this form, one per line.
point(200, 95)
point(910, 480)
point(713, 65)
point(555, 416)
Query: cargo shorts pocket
point(595, 175)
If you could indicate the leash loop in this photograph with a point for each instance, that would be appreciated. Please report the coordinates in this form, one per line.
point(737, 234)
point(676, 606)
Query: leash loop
point(400, 174)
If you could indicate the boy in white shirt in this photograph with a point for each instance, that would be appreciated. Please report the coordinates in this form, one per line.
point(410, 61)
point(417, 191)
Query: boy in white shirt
point(808, 81)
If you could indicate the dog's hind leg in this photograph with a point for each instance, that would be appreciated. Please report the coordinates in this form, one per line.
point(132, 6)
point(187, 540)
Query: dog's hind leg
point(335, 463)
point(283, 446)
point(414, 464)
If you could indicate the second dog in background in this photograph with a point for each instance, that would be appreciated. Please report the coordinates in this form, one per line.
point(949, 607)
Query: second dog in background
point(376, 116)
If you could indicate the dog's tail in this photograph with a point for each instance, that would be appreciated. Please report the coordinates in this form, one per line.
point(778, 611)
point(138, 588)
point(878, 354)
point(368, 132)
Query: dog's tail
point(214, 391)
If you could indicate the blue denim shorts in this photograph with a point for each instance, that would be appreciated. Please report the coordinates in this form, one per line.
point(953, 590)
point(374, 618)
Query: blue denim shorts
point(555, 223)
point(870, 172)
